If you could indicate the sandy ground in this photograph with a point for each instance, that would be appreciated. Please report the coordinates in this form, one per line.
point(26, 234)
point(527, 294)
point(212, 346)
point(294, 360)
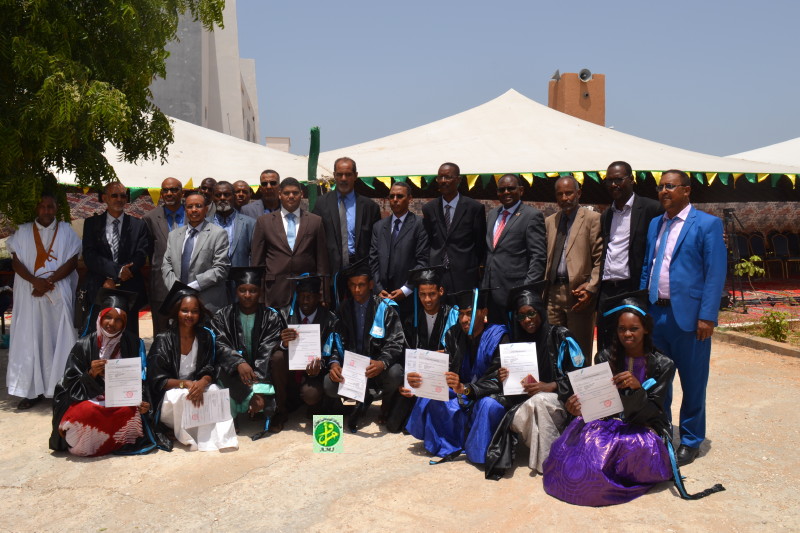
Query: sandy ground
point(384, 481)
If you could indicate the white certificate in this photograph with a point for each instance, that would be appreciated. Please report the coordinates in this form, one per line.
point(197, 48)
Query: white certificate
point(432, 366)
point(354, 372)
point(520, 359)
point(305, 348)
point(216, 408)
point(596, 391)
point(123, 379)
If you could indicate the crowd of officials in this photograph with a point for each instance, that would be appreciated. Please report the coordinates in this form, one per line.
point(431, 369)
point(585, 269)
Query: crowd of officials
point(231, 277)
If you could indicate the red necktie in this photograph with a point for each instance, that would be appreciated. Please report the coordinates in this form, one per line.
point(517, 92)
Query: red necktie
point(500, 227)
point(305, 320)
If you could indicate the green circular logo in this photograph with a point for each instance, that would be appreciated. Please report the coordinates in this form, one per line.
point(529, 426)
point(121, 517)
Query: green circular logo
point(327, 433)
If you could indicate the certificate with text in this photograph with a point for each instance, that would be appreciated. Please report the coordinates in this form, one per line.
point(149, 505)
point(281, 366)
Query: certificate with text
point(596, 391)
point(354, 372)
point(432, 367)
point(216, 408)
point(123, 379)
point(305, 348)
point(520, 360)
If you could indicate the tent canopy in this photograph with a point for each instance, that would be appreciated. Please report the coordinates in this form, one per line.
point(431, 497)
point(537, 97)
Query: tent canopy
point(513, 133)
point(198, 153)
point(784, 153)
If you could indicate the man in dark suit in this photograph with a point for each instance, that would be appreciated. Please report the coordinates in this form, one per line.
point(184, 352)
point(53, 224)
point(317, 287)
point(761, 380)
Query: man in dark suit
point(350, 241)
point(268, 190)
point(242, 193)
point(624, 227)
point(456, 228)
point(684, 273)
point(399, 244)
point(515, 243)
point(288, 242)
point(115, 250)
point(160, 221)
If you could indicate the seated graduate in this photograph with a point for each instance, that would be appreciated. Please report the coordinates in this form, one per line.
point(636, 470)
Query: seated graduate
point(369, 326)
point(468, 420)
point(247, 335)
point(182, 362)
point(538, 416)
point(296, 386)
point(81, 422)
point(615, 460)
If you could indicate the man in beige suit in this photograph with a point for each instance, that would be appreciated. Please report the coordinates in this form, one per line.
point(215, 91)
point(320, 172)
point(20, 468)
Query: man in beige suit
point(288, 242)
point(574, 249)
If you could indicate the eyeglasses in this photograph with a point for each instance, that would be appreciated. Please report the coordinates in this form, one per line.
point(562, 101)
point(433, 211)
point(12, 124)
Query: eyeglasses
point(270, 183)
point(668, 186)
point(502, 190)
point(396, 196)
point(615, 181)
point(170, 189)
point(523, 316)
point(117, 195)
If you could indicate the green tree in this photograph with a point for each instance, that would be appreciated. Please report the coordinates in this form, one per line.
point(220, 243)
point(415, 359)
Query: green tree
point(75, 75)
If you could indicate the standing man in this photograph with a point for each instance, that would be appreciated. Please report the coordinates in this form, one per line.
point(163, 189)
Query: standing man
point(242, 193)
point(624, 225)
point(288, 242)
point(456, 228)
point(515, 240)
point(160, 221)
point(684, 272)
point(207, 190)
point(399, 244)
point(44, 254)
point(239, 228)
point(197, 255)
point(269, 201)
point(115, 249)
point(347, 216)
point(574, 249)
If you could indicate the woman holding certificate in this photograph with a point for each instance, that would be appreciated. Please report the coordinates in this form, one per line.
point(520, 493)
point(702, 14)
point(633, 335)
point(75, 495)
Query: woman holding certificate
point(83, 423)
point(614, 460)
point(182, 370)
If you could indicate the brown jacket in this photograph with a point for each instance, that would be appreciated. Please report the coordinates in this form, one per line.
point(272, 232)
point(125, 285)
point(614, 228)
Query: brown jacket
point(584, 247)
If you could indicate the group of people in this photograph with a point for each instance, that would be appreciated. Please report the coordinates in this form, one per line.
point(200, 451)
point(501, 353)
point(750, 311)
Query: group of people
point(231, 276)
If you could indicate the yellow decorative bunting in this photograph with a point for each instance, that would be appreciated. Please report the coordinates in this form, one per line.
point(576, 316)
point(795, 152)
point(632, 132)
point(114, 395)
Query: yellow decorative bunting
point(528, 177)
point(189, 185)
point(711, 176)
point(552, 174)
point(497, 177)
point(85, 190)
point(255, 188)
point(602, 174)
point(656, 176)
point(737, 176)
point(386, 180)
point(471, 179)
point(416, 180)
point(578, 176)
point(155, 195)
point(792, 178)
point(762, 177)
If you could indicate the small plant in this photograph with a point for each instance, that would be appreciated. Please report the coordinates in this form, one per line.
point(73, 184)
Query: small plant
point(776, 325)
point(749, 268)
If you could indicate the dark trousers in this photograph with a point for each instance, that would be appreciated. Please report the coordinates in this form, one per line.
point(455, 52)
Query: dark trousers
point(605, 326)
point(388, 381)
point(289, 391)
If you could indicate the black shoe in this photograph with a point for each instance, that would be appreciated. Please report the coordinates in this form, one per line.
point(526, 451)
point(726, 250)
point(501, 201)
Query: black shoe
point(687, 455)
point(27, 403)
point(352, 420)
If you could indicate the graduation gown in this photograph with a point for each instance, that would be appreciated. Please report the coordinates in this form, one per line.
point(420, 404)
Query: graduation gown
point(419, 336)
point(388, 348)
point(329, 326)
point(232, 350)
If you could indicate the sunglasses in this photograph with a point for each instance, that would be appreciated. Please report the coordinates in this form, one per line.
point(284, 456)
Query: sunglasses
point(270, 183)
point(170, 189)
point(523, 316)
point(502, 190)
point(668, 186)
point(615, 181)
point(396, 196)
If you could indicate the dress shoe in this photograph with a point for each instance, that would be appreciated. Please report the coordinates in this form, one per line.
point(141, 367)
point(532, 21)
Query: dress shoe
point(27, 403)
point(687, 455)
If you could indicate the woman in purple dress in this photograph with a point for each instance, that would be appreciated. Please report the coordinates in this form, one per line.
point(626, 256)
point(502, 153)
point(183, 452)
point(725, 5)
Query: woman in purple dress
point(614, 460)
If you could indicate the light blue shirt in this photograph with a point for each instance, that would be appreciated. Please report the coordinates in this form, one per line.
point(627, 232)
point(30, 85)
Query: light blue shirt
point(229, 226)
point(174, 218)
point(350, 209)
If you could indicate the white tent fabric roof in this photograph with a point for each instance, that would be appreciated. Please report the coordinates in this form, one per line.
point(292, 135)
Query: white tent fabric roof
point(513, 133)
point(784, 153)
point(198, 153)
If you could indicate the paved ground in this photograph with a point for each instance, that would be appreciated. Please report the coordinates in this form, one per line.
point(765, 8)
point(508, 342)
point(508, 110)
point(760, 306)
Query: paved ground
point(384, 481)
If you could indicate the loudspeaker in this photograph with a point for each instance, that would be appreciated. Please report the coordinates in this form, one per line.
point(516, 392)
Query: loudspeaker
point(585, 74)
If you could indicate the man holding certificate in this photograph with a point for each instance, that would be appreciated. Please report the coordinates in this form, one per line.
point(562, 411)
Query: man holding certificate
point(247, 335)
point(370, 327)
point(467, 421)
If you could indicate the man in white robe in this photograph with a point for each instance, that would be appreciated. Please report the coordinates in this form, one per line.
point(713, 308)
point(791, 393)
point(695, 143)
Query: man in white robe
point(44, 254)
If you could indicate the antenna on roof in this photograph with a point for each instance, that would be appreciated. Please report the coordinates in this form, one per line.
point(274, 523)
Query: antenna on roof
point(556, 75)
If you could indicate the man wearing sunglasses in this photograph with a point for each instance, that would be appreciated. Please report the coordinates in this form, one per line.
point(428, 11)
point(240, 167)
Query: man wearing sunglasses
point(684, 273)
point(115, 250)
point(515, 243)
point(166, 217)
point(269, 200)
point(399, 244)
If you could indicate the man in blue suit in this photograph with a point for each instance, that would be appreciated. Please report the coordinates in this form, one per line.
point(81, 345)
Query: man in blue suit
point(684, 272)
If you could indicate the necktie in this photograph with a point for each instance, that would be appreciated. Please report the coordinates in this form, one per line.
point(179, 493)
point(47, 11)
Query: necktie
point(291, 229)
point(656, 273)
point(305, 320)
point(115, 240)
point(186, 256)
point(344, 233)
point(558, 250)
point(499, 230)
point(447, 221)
point(396, 230)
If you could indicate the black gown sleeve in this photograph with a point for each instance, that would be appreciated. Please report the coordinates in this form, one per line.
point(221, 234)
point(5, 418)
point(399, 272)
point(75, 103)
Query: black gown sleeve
point(489, 384)
point(646, 407)
point(391, 350)
point(228, 356)
point(270, 338)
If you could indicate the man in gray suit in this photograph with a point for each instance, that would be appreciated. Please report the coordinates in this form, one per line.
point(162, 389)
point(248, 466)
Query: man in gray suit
point(197, 255)
point(239, 228)
point(516, 246)
point(269, 200)
point(160, 221)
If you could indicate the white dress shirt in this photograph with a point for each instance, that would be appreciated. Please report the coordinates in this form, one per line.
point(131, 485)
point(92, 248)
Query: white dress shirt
point(616, 267)
point(672, 239)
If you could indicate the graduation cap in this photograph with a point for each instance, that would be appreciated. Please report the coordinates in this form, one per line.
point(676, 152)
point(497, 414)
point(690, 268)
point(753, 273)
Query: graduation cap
point(530, 294)
point(307, 282)
point(634, 301)
point(359, 268)
point(177, 293)
point(246, 275)
point(115, 298)
point(426, 275)
point(467, 299)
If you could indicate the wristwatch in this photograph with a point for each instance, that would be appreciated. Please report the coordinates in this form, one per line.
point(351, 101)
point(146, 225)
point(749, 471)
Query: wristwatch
point(182, 385)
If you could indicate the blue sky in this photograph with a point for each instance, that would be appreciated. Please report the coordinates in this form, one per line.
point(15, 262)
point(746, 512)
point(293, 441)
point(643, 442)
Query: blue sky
point(712, 76)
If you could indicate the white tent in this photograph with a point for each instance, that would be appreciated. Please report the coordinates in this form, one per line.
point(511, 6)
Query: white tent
point(198, 153)
point(785, 153)
point(513, 133)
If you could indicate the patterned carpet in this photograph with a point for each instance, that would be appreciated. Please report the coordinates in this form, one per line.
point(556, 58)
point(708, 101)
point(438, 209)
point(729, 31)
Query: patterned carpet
point(769, 295)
